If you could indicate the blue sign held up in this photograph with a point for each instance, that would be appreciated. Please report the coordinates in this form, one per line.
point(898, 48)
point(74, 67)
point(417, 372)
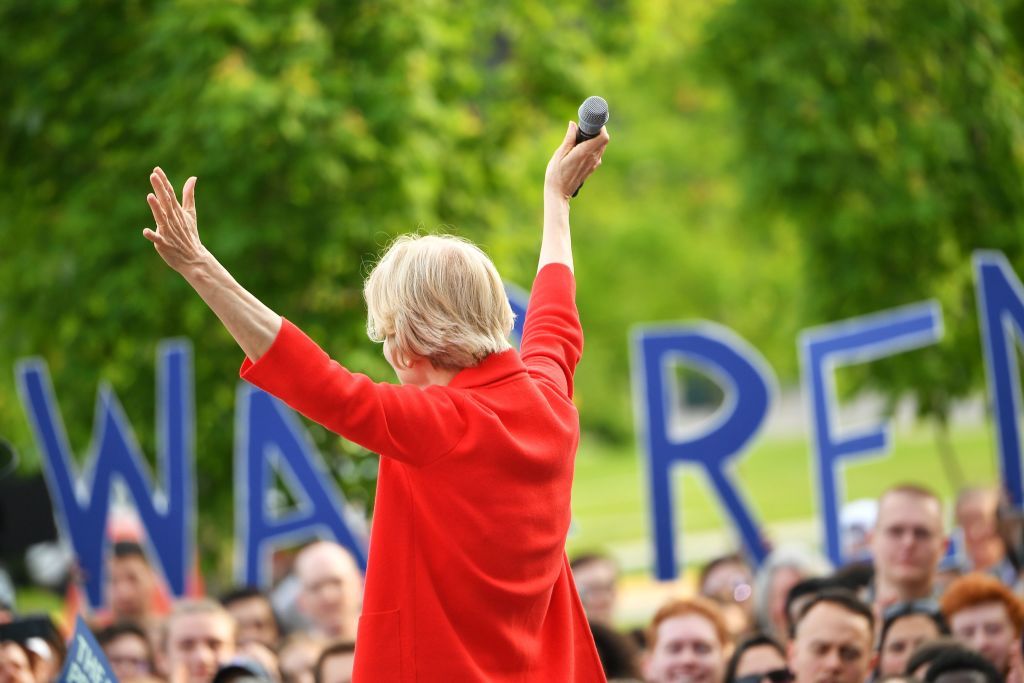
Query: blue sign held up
point(270, 435)
point(167, 512)
point(85, 662)
point(749, 387)
point(823, 350)
point(1001, 317)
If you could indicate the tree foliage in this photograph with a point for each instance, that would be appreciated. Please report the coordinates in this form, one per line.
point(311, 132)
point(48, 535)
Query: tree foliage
point(890, 137)
point(317, 130)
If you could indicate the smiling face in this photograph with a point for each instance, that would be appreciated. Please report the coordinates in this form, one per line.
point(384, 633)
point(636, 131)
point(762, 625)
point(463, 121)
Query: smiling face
point(687, 649)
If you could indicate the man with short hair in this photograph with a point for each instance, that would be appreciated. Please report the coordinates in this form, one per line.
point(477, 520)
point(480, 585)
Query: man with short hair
point(332, 589)
point(833, 639)
point(131, 583)
point(335, 663)
point(252, 611)
point(987, 617)
point(907, 543)
point(199, 637)
point(687, 640)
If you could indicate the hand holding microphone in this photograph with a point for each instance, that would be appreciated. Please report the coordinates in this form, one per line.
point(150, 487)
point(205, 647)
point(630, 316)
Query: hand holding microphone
point(575, 159)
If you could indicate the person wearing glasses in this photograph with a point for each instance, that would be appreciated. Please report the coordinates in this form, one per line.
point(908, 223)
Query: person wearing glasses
point(907, 545)
point(758, 659)
point(833, 639)
point(905, 626)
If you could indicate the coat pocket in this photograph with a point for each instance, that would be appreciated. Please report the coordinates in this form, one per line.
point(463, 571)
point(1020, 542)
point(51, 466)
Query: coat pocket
point(378, 648)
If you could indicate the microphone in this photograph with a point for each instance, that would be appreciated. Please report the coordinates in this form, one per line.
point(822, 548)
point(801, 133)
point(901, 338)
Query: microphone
point(593, 114)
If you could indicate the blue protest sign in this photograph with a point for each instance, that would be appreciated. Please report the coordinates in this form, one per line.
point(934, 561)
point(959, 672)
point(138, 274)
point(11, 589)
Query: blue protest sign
point(167, 512)
point(85, 661)
point(1001, 317)
point(823, 350)
point(749, 387)
point(269, 438)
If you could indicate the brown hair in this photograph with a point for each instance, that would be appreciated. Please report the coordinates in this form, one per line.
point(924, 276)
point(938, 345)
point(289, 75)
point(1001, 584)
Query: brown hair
point(977, 589)
point(701, 606)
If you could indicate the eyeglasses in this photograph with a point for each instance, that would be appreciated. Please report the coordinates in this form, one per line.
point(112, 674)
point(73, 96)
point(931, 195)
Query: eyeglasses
point(775, 676)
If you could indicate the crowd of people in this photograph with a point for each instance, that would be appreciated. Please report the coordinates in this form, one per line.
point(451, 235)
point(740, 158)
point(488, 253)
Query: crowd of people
point(904, 610)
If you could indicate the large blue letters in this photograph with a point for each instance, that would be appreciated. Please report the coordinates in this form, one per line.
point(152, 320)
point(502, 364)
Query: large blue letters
point(1001, 317)
point(82, 502)
point(269, 434)
point(858, 340)
point(748, 384)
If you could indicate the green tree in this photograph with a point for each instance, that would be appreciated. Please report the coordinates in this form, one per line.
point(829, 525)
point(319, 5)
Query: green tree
point(318, 130)
point(887, 135)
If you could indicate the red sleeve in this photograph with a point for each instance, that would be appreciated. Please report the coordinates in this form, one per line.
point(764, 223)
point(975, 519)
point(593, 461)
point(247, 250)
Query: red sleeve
point(408, 423)
point(552, 336)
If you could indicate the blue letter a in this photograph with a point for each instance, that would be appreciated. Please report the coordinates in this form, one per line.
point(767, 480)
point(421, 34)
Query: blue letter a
point(268, 433)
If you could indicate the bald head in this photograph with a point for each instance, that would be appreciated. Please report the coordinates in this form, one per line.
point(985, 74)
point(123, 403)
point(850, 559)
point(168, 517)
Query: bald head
point(332, 589)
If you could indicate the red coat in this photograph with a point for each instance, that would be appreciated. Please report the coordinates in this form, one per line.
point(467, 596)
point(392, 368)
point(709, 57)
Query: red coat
point(467, 578)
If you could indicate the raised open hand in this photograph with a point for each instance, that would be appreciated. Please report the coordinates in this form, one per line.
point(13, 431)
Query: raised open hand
point(572, 164)
point(176, 237)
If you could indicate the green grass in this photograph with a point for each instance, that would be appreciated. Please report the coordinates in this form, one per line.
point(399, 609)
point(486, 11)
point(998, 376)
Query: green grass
point(610, 494)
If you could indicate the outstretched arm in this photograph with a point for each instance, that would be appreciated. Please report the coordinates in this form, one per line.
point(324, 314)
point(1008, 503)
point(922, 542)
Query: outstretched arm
point(176, 238)
point(570, 165)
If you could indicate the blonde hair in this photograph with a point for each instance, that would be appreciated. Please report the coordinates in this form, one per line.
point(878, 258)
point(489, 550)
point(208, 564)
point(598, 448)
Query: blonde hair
point(440, 297)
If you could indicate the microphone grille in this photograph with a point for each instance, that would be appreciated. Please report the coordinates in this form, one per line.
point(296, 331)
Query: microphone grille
point(593, 114)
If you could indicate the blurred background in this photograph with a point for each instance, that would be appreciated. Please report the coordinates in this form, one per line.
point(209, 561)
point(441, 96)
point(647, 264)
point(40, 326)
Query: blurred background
point(774, 165)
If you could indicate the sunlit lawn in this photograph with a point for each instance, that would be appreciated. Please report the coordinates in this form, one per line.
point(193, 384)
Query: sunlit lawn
point(610, 500)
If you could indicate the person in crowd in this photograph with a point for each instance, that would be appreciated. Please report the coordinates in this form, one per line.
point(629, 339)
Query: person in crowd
point(199, 637)
point(331, 589)
point(977, 516)
point(782, 569)
point(905, 626)
point(758, 659)
point(596, 576)
point(242, 669)
point(131, 585)
point(16, 665)
point(476, 441)
point(298, 655)
point(986, 616)
point(729, 580)
point(619, 655)
point(128, 650)
point(833, 639)
point(335, 663)
point(925, 654)
point(907, 544)
point(799, 595)
point(856, 520)
point(252, 611)
point(960, 665)
point(687, 640)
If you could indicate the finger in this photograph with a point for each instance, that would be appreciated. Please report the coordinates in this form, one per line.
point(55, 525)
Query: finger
point(167, 196)
point(158, 211)
point(188, 196)
point(152, 236)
